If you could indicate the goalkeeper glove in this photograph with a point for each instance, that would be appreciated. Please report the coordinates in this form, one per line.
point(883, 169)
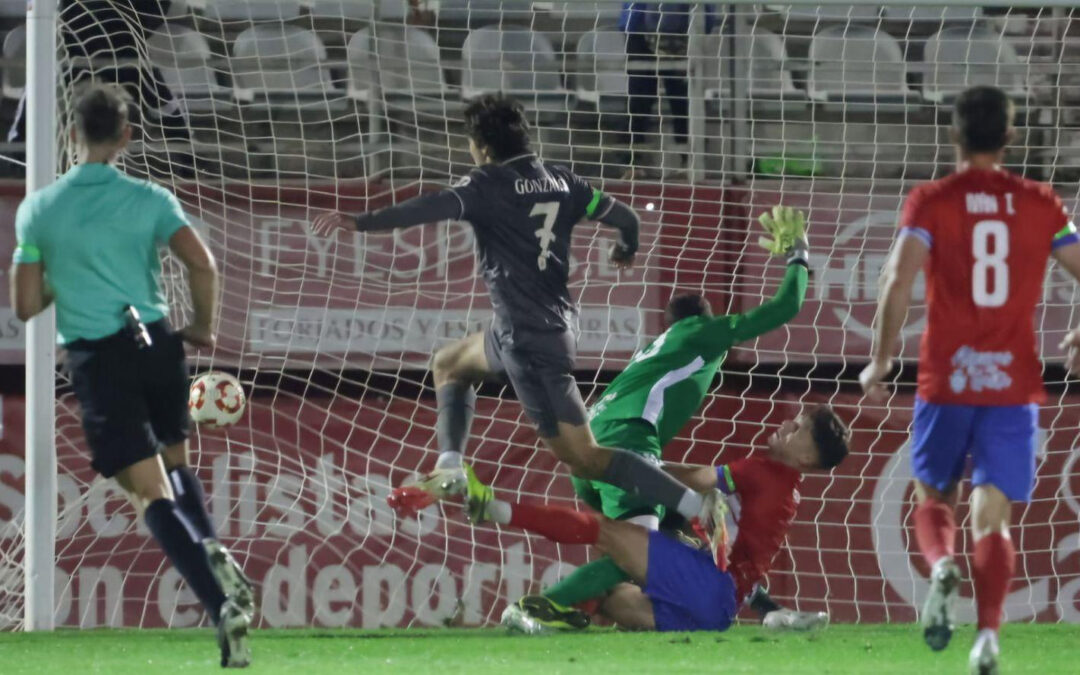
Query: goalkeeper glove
point(788, 229)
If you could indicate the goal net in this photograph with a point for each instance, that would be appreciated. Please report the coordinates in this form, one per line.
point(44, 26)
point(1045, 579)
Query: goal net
point(259, 115)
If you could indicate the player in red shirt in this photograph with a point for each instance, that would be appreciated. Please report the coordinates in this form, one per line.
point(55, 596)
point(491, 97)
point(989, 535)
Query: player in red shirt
point(680, 587)
point(984, 236)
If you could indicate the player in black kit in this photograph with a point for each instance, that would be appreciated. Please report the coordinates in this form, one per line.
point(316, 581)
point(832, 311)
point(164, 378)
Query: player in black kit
point(523, 211)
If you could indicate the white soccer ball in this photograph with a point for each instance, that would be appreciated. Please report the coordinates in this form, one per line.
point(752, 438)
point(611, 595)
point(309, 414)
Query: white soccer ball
point(216, 400)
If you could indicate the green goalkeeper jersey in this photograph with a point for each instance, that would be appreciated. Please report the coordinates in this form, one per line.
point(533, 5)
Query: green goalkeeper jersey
point(666, 381)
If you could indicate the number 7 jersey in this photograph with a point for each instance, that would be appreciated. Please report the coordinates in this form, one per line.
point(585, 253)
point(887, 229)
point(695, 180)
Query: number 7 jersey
point(990, 234)
point(523, 212)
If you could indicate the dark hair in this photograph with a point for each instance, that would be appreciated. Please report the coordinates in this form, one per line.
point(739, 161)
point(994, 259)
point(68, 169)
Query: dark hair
point(830, 436)
point(982, 117)
point(100, 113)
point(686, 305)
point(498, 123)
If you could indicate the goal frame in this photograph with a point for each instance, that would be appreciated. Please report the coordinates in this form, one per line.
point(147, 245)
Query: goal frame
point(42, 164)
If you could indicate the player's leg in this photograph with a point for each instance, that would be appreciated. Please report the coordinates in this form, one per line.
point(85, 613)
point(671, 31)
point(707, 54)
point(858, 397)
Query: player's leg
point(1004, 472)
point(165, 389)
point(148, 488)
point(685, 589)
point(629, 607)
point(107, 377)
point(597, 578)
point(164, 379)
point(541, 371)
point(574, 445)
point(941, 438)
point(456, 369)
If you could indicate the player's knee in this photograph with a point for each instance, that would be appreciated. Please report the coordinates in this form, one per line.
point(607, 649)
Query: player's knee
point(990, 511)
point(442, 364)
point(145, 494)
point(175, 455)
point(588, 462)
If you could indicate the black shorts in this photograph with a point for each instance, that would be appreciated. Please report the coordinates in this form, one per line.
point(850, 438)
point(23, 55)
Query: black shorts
point(134, 401)
point(540, 368)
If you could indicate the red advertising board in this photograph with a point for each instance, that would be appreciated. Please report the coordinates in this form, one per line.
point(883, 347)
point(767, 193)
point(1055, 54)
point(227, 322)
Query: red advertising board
point(298, 491)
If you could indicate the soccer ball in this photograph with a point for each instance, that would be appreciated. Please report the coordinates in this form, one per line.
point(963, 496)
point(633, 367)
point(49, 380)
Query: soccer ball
point(216, 400)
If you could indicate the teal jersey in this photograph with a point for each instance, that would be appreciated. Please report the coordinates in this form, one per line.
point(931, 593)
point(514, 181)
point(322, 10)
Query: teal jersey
point(98, 234)
point(667, 381)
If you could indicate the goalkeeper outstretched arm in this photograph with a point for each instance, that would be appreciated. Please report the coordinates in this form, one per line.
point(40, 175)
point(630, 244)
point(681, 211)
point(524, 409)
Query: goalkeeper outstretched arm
point(787, 236)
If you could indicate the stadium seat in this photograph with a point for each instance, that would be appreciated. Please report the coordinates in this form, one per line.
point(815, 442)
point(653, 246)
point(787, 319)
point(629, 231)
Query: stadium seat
point(245, 10)
point(516, 61)
point(407, 62)
point(831, 13)
point(855, 63)
point(275, 60)
point(929, 14)
point(13, 8)
point(356, 10)
point(768, 76)
point(484, 11)
point(182, 55)
point(601, 79)
point(606, 13)
point(959, 57)
point(15, 73)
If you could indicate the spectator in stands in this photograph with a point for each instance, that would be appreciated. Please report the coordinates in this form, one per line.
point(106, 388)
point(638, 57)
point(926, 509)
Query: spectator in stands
point(660, 31)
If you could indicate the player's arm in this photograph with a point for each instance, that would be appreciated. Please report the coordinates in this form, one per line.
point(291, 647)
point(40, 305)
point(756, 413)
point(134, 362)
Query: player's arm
point(1067, 253)
point(694, 476)
point(427, 208)
point(907, 257)
point(609, 211)
point(787, 230)
point(29, 293)
point(778, 310)
point(897, 280)
point(202, 271)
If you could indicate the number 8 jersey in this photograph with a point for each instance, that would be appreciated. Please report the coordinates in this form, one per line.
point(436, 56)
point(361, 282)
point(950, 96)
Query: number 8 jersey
point(523, 212)
point(990, 234)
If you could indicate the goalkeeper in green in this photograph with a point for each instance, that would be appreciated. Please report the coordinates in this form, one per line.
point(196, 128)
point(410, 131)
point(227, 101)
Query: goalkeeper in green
point(650, 402)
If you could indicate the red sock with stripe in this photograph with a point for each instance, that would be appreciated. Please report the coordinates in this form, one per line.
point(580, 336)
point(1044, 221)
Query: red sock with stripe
point(935, 529)
point(557, 523)
point(992, 569)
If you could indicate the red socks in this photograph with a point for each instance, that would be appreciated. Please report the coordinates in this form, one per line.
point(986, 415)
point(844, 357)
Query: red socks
point(935, 530)
point(559, 524)
point(992, 568)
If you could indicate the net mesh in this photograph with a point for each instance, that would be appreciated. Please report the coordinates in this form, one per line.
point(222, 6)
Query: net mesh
point(258, 115)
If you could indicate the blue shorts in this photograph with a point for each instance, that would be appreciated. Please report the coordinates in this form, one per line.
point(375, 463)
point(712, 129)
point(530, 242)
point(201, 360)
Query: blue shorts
point(1001, 441)
point(686, 589)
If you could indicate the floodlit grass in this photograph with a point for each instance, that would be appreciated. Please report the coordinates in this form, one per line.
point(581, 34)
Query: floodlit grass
point(875, 649)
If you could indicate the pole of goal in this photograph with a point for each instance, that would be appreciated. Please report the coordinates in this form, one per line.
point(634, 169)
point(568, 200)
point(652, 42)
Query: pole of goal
point(40, 524)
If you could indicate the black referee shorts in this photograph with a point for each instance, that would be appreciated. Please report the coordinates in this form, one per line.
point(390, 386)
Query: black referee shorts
point(134, 401)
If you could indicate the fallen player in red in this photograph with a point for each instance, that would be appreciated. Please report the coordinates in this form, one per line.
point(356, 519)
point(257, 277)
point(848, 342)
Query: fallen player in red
point(677, 586)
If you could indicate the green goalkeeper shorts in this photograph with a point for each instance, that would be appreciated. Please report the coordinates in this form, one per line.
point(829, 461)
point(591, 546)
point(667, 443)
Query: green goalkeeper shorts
point(634, 435)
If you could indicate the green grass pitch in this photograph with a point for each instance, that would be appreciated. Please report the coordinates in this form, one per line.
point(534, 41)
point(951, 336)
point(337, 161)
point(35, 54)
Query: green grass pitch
point(875, 649)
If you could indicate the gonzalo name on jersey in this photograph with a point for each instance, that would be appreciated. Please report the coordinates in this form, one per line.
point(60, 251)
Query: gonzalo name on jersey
point(528, 186)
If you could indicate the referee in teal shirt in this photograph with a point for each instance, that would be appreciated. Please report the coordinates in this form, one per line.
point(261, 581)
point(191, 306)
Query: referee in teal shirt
point(91, 242)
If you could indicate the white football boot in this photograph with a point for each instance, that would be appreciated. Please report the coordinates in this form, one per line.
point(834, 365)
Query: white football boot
point(790, 621)
point(984, 654)
point(939, 612)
